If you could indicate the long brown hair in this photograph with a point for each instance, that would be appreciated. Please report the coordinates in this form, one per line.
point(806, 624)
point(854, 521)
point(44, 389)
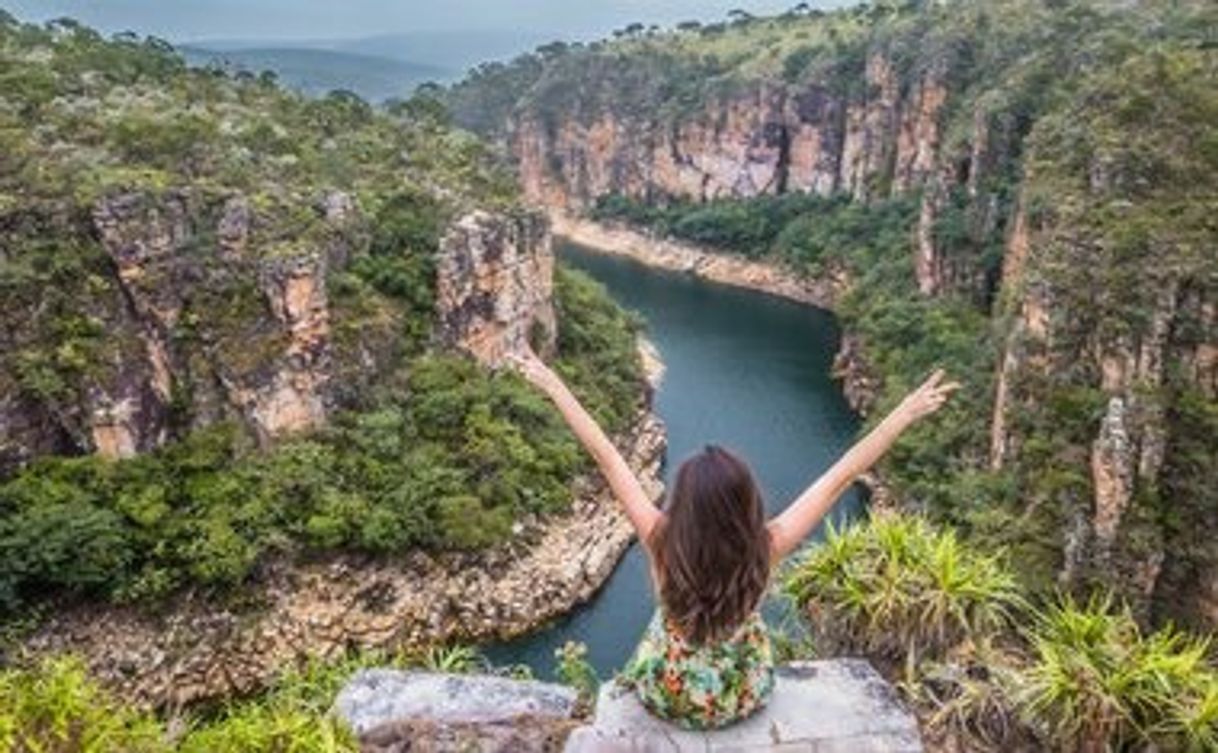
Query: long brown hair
point(711, 547)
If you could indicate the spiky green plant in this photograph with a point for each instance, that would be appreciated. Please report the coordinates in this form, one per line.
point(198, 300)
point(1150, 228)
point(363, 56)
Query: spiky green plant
point(454, 660)
point(55, 708)
point(901, 591)
point(1097, 682)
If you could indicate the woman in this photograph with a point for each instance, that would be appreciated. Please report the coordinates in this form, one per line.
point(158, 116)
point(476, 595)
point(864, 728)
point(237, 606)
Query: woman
point(706, 660)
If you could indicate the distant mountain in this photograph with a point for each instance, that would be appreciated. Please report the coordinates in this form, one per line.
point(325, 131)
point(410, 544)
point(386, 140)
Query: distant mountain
point(318, 71)
point(453, 52)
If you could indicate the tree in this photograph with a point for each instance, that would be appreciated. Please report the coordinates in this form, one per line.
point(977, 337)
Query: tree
point(689, 26)
point(740, 16)
point(553, 50)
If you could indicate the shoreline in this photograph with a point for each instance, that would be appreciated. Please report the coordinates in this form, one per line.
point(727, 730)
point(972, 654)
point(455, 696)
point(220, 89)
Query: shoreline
point(701, 262)
point(850, 365)
point(195, 651)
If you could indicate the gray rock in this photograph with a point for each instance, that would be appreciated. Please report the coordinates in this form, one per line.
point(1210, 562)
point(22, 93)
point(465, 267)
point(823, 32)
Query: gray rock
point(376, 697)
point(840, 706)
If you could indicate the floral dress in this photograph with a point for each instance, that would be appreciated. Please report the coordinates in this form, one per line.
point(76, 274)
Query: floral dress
point(703, 686)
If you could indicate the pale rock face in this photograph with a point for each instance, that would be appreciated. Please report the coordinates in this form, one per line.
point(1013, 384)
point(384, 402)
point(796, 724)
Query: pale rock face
point(1112, 473)
point(836, 706)
point(266, 362)
point(766, 139)
point(294, 401)
point(919, 137)
point(495, 285)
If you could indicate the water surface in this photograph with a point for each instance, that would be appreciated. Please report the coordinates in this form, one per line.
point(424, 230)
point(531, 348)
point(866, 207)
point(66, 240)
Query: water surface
point(745, 370)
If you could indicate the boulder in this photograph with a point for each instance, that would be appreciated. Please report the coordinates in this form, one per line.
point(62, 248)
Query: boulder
point(839, 706)
point(374, 698)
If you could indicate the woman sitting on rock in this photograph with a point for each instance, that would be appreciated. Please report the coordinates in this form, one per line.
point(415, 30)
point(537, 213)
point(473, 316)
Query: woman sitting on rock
point(706, 661)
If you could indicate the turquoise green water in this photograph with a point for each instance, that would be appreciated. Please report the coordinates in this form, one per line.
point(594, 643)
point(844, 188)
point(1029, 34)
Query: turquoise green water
point(744, 370)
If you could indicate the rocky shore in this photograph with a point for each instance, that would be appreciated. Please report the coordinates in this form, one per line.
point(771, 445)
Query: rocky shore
point(654, 251)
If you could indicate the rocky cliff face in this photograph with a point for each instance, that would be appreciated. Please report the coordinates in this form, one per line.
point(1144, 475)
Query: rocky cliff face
point(198, 317)
point(1106, 391)
point(495, 285)
point(768, 138)
point(882, 137)
point(196, 324)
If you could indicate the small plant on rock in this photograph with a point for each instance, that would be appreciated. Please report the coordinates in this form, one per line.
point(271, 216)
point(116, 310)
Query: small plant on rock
point(575, 670)
point(56, 707)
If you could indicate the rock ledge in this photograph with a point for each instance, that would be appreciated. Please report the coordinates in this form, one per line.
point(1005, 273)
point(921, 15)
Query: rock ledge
point(838, 706)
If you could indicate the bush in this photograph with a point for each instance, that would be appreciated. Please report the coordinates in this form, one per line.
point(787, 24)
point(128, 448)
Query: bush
point(55, 707)
point(1095, 681)
point(1077, 677)
point(598, 349)
point(902, 592)
point(574, 669)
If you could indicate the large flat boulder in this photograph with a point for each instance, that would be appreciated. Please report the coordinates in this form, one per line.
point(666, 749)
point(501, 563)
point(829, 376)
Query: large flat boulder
point(374, 698)
point(839, 706)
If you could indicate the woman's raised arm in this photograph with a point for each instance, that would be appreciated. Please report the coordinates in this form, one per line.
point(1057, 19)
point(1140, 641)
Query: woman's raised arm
point(790, 527)
point(622, 481)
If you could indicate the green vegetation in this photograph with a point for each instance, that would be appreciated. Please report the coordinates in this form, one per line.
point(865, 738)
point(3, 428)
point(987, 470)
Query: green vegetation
point(450, 461)
point(995, 667)
point(57, 708)
point(575, 670)
point(428, 450)
point(899, 589)
point(1093, 121)
point(54, 706)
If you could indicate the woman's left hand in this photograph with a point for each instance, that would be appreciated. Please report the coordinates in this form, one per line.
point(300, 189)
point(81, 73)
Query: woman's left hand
point(928, 398)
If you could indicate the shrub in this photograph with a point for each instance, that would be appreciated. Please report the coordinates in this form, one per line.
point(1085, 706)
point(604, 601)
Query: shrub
point(1096, 681)
point(901, 591)
point(55, 707)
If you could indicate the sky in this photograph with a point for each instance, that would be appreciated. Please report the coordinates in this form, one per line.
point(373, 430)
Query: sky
point(187, 20)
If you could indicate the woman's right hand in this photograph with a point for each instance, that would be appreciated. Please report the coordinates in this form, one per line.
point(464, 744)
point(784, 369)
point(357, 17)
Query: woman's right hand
point(928, 398)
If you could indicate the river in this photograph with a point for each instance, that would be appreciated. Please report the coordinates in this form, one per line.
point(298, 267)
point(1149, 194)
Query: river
point(745, 370)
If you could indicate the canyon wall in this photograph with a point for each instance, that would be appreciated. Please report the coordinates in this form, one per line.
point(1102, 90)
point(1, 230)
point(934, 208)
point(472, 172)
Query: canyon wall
point(767, 138)
point(196, 319)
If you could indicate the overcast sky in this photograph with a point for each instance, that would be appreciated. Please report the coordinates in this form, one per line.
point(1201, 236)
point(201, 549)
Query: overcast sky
point(181, 20)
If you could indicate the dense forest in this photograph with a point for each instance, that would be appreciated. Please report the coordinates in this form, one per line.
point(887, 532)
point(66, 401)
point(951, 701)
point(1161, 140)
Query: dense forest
point(1022, 192)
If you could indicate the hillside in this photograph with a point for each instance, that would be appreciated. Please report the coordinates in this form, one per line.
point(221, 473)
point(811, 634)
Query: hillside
point(318, 72)
point(231, 331)
point(1020, 191)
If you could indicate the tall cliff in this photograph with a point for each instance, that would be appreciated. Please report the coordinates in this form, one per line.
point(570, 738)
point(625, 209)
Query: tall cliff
point(1021, 190)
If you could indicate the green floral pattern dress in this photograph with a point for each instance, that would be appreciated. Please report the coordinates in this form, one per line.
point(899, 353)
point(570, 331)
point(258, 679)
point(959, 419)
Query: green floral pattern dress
point(703, 686)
